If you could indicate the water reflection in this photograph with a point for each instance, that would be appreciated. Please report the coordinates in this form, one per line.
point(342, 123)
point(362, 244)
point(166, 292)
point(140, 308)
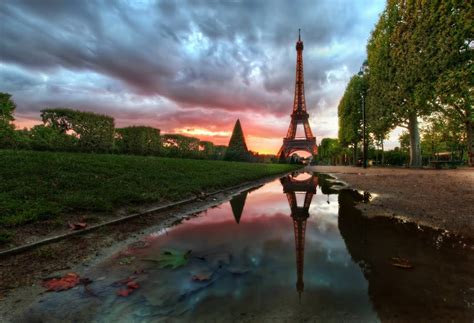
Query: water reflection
point(237, 203)
point(440, 287)
point(299, 183)
point(244, 255)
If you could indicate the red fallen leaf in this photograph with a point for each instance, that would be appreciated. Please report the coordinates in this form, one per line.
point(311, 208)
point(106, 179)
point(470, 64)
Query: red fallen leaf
point(77, 225)
point(132, 285)
point(124, 292)
point(69, 280)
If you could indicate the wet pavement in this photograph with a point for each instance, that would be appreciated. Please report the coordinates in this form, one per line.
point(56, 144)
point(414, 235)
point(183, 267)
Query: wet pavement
point(294, 249)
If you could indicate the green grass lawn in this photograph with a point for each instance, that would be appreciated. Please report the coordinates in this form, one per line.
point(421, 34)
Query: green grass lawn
point(41, 185)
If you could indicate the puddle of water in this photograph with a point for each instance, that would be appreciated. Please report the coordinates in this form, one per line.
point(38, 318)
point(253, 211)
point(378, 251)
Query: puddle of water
point(294, 249)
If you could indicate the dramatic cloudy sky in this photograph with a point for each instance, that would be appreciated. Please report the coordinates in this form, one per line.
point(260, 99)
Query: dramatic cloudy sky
point(190, 67)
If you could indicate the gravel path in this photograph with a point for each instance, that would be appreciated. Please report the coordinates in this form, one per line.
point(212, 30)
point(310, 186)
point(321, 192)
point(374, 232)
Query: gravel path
point(437, 198)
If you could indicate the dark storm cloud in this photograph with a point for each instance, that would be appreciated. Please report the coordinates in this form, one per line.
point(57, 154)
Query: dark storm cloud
point(227, 55)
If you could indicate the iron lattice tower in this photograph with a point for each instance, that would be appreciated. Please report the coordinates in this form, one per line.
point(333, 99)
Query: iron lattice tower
point(299, 116)
point(299, 214)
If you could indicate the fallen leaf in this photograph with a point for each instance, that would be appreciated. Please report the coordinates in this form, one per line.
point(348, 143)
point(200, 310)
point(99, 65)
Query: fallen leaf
point(401, 263)
point(124, 292)
point(69, 280)
point(77, 225)
point(172, 258)
point(132, 285)
point(202, 275)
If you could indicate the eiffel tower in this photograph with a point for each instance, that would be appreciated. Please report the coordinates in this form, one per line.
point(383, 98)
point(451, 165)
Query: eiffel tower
point(299, 115)
point(299, 214)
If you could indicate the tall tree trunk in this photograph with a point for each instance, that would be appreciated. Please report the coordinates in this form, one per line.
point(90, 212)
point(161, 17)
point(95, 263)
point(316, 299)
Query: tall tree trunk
point(415, 148)
point(470, 143)
point(383, 154)
point(354, 155)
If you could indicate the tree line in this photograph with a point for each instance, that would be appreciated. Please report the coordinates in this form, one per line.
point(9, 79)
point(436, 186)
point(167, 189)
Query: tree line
point(71, 130)
point(418, 75)
point(332, 152)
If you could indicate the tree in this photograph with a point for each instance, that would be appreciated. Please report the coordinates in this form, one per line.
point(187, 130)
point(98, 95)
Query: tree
point(330, 151)
point(237, 149)
point(380, 109)
point(404, 140)
point(138, 140)
point(48, 138)
point(443, 135)
point(206, 149)
point(95, 132)
point(7, 129)
point(219, 152)
point(350, 114)
point(176, 145)
point(454, 58)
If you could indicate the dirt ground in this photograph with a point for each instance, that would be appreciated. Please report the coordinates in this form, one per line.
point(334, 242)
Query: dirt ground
point(438, 198)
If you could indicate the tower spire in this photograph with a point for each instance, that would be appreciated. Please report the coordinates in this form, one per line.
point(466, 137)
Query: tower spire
point(299, 34)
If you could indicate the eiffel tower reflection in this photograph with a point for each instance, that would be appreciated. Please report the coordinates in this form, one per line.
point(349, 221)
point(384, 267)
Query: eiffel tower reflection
point(294, 185)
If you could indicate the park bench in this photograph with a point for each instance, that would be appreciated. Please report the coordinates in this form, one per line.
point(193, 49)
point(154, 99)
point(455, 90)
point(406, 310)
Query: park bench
point(438, 164)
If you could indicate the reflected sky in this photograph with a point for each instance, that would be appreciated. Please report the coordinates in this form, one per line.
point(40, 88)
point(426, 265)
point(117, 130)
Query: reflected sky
point(248, 249)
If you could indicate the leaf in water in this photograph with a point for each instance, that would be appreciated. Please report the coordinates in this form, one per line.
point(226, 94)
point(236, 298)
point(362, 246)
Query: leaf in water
point(202, 275)
point(124, 292)
point(401, 263)
point(131, 286)
point(69, 280)
point(172, 258)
